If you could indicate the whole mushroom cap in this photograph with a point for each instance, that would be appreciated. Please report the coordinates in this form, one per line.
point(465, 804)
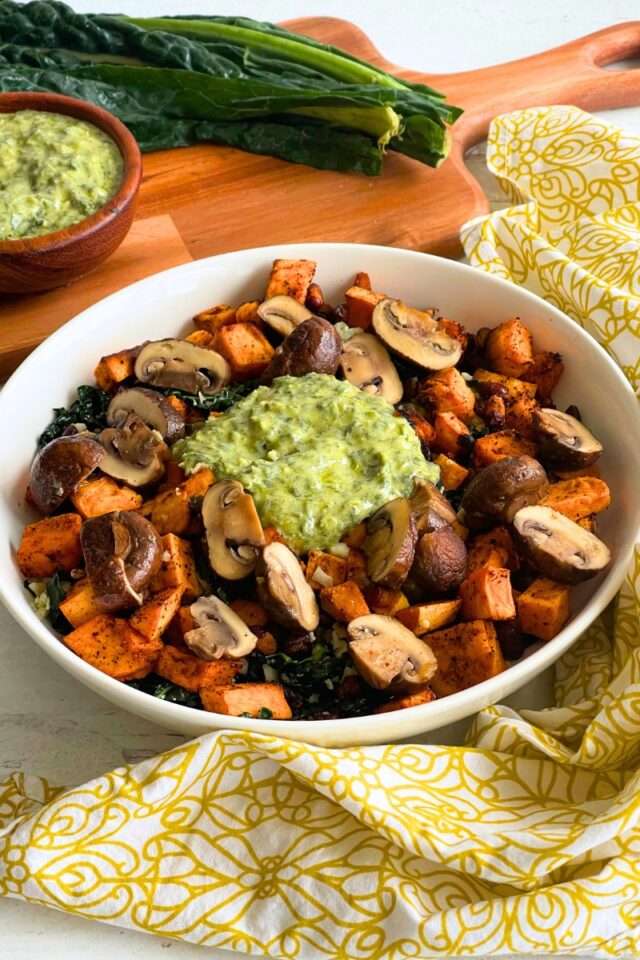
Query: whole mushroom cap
point(123, 553)
point(60, 467)
point(498, 491)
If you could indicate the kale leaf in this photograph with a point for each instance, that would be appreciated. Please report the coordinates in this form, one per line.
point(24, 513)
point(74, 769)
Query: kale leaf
point(89, 408)
point(218, 403)
point(165, 690)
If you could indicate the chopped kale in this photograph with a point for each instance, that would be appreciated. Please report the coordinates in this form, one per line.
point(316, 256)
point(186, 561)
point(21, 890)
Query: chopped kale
point(218, 403)
point(48, 594)
point(89, 408)
point(164, 690)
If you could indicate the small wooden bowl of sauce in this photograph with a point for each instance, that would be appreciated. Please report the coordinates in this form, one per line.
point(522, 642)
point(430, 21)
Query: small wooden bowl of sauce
point(77, 205)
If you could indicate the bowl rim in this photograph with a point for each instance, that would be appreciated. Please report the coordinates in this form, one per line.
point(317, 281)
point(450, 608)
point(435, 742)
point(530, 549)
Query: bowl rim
point(44, 102)
point(444, 710)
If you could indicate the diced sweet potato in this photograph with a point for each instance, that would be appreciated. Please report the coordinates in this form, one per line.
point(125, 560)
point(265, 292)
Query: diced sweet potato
point(544, 608)
point(486, 595)
point(447, 392)
point(454, 330)
point(356, 536)
point(508, 348)
point(168, 511)
point(467, 653)
point(114, 368)
point(423, 429)
point(452, 475)
point(49, 545)
point(290, 278)
point(178, 568)
point(449, 431)
point(519, 416)
point(79, 606)
point(154, 616)
point(578, 498)
point(495, 548)
point(591, 471)
point(357, 568)
point(215, 317)
point(362, 280)
point(360, 306)
point(188, 671)
point(411, 700)
point(429, 616)
point(247, 312)
point(181, 407)
point(267, 643)
point(344, 602)
point(252, 698)
point(250, 612)
point(201, 338)
point(325, 570)
point(514, 387)
point(245, 348)
point(384, 601)
point(112, 645)
point(545, 372)
point(503, 443)
point(101, 495)
point(182, 623)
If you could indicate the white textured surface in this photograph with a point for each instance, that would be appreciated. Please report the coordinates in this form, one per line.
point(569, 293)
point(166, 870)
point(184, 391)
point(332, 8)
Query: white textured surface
point(49, 724)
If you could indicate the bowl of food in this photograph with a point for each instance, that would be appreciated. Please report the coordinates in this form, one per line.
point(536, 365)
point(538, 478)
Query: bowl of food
point(71, 173)
point(339, 493)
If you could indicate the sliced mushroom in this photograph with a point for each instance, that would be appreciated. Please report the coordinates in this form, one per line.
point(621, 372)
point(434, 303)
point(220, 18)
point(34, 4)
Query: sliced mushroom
point(557, 547)
point(60, 467)
point(563, 440)
point(134, 453)
point(149, 406)
point(183, 366)
point(440, 563)
point(313, 347)
point(388, 656)
point(415, 335)
point(219, 631)
point(391, 543)
point(283, 589)
point(122, 552)
point(233, 529)
point(498, 491)
point(367, 365)
point(283, 314)
point(432, 510)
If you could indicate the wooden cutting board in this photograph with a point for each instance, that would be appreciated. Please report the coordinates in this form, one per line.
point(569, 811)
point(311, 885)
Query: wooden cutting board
point(204, 200)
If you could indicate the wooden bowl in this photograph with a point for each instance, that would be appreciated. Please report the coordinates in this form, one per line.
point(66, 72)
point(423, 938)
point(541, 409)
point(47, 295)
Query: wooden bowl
point(55, 259)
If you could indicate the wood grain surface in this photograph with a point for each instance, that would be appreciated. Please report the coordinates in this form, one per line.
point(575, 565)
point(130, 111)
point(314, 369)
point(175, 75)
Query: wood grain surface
point(220, 199)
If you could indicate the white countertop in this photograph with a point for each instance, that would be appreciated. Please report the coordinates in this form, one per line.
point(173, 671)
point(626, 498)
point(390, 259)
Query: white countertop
point(49, 724)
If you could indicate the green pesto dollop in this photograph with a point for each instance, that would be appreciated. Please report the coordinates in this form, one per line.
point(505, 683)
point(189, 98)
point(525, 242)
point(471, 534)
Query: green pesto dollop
point(54, 171)
point(317, 454)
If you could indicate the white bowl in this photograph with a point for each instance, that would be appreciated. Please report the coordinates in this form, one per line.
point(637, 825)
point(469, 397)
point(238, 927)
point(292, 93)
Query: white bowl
point(163, 306)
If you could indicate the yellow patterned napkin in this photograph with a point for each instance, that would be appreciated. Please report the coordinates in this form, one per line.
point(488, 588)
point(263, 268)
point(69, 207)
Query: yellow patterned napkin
point(526, 841)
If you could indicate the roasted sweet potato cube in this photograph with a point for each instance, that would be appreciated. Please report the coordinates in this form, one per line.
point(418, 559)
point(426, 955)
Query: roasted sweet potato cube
point(188, 671)
point(360, 306)
point(495, 548)
point(178, 568)
point(357, 568)
point(578, 498)
point(201, 338)
point(449, 434)
point(411, 700)
point(467, 653)
point(591, 471)
point(423, 429)
point(247, 312)
point(290, 278)
point(79, 606)
point(425, 617)
point(545, 372)
point(486, 595)
point(344, 602)
point(325, 570)
point(452, 475)
point(215, 317)
point(454, 330)
point(114, 368)
point(112, 645)
point(544, 608)
point(514, 387)
point(508, 348)
point(447, 392)
point(384, 601)
point(234, 699)
point(245, 348)
point(168, 511)
point(101, 495)
point(362, 280)
point(49, 545)
point(250, 612)
point(503, 443)
point(356, 536)
point(519, 415)
point(154, 616)
point(181, 624)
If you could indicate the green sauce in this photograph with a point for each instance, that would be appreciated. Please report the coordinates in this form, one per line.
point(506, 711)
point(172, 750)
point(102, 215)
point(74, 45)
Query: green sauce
point(317, 454)
point(54, 171)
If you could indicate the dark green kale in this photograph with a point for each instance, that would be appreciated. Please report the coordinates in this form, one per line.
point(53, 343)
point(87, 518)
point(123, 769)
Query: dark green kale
point(56, 589)
point(90, 408)
point(164, 690)
point(218, 403)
